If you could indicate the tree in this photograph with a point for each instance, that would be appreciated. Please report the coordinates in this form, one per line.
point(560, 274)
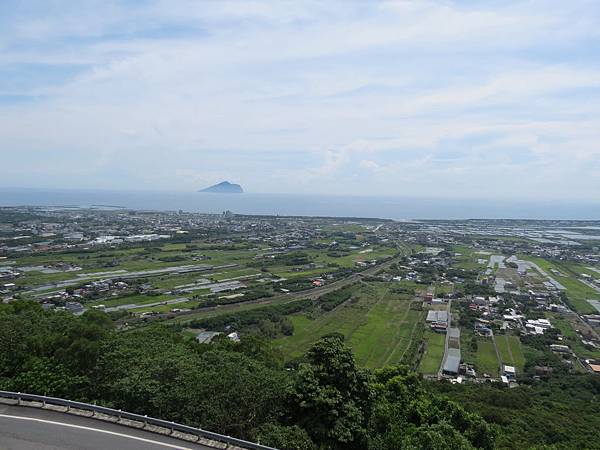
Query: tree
point(436, 437)
point(79, 347)
point(330, 396)
point(284, 437)
point(43, 376)
point(154, 371)
point(405, 416)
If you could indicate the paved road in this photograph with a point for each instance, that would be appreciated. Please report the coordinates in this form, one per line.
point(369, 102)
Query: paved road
point(36, 429)
point(448, 325)
point(313, 293)
point(147, 305)
point(124, 274)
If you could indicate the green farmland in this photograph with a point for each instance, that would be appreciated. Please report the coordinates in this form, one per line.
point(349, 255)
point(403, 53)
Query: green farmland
point(486, 359)
point(577, 292)
point(434, 352)
point(511, 351)
point(378, 325)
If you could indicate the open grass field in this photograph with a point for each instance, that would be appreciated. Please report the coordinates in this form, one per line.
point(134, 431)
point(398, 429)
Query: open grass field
point(467, 353)
point(35, 278)
point(589, 270)
point(377, 324)
point(468, 258)
point(361, 254)
point(484, 356)
point(170, 281)
point(443, 289)
point(434, 352)
point(486, 359)
point(386, 335)
point(511, 351)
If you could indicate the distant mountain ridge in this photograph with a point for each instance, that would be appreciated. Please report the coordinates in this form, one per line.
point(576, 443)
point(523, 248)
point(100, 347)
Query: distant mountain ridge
point(225, 187)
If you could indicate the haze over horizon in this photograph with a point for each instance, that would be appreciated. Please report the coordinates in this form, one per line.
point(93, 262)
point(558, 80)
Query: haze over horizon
point(445, 98)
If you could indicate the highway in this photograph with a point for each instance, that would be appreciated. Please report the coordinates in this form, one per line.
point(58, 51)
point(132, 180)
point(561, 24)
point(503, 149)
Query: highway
point(23, 428)
point(313, 293)
point(122, 275)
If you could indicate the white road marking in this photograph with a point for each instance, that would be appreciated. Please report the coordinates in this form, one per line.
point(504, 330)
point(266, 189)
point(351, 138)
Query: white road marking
point(95, 429)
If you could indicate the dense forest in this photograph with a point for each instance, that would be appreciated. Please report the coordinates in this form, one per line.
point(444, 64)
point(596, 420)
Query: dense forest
point(324, 402)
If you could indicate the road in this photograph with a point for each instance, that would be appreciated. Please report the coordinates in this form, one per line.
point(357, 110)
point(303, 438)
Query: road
point(284, 298)
point(449, 324)
point(147, 305)
point(123, 275)
point(24, 428)
point(555, 283)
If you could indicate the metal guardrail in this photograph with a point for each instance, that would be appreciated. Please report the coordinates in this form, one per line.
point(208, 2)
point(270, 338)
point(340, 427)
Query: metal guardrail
point(172, 426)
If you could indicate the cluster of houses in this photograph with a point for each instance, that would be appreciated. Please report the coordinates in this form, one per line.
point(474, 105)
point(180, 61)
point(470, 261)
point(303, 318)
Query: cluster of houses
point(116, 240)
point(60, 302)
point(8, 273)
point(206, 337)
point(63, 229)
point(592, 319)
point(438, 320)
point(511, 318)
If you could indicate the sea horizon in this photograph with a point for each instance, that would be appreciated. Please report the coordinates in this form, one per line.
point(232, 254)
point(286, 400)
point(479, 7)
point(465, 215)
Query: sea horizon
point(381, 207)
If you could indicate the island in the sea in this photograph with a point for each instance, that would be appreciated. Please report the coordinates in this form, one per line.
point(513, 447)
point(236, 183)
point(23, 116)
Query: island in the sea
point(224, 187)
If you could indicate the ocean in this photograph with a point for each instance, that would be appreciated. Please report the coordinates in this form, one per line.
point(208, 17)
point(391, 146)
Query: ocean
point(399, 208)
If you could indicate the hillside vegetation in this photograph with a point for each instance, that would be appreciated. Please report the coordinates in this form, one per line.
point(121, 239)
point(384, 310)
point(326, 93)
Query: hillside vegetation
point(240, 389)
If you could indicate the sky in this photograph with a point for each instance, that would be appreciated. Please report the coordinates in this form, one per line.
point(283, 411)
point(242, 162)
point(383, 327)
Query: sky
point(425, 98)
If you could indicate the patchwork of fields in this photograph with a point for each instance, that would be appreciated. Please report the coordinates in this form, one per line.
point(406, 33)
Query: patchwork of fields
point(377, 323)
point(382, 322)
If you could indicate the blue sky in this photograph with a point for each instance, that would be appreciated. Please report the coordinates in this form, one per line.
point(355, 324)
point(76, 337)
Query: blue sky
point(496, 99)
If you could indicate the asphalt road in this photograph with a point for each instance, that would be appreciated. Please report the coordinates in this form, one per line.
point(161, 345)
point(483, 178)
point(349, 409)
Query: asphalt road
point(448, 325)
point(24, 428)
point(313, 293)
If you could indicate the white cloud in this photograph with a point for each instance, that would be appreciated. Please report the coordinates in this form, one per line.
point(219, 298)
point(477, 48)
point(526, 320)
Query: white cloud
point(368, 164)
point(173, 95)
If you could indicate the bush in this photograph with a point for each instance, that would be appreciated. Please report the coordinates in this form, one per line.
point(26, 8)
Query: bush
point(284, 437)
